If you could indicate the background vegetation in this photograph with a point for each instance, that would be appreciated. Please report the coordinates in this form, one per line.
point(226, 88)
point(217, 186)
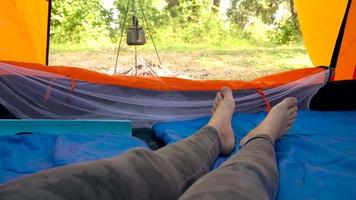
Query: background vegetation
point(178, 21)
point(211, 27)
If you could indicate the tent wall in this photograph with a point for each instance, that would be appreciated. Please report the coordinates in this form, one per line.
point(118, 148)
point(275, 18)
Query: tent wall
point(24, 32)
point(320, 22)
point(346, 64)
point(23, 35)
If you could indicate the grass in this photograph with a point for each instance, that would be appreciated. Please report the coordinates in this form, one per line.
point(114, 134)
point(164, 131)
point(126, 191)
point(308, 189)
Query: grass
point(234, 59)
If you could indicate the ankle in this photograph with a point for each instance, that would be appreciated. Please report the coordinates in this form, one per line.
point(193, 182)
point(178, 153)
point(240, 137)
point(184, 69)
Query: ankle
point(267, 137)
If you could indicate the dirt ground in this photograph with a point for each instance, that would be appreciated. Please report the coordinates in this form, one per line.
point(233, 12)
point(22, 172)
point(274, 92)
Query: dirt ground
point(233, 65)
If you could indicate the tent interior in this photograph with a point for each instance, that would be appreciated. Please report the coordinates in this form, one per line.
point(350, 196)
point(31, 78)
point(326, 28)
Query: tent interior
point(316, 158)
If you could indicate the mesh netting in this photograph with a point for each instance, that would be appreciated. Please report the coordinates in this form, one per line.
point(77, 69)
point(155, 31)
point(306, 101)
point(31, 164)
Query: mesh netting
point(34, 94)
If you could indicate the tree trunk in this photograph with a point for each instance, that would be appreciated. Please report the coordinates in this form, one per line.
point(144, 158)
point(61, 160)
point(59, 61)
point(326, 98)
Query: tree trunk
point(292, 9)
point(216, 6)
point(172, 3)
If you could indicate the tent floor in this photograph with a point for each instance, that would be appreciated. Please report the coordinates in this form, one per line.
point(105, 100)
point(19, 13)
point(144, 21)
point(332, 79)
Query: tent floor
point(148, 136)
point(5, 114)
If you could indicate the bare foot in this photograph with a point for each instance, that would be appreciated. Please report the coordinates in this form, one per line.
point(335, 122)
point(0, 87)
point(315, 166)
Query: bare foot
point(222, 111)
point(277, 122)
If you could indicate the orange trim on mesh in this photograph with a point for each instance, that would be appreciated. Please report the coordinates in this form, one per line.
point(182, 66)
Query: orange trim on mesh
point(265, 99)
point(170, 83)
point(48, 91)
point(72, 87)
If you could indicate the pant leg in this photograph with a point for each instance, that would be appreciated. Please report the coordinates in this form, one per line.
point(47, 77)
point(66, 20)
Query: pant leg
point(252, 174)
point(137, 174)
point(194, 156)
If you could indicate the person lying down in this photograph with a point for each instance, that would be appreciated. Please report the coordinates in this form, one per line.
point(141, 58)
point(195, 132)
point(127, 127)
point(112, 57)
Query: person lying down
point(177, 171)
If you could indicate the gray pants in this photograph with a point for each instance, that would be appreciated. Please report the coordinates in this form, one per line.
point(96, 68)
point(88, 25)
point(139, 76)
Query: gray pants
point(178, 171)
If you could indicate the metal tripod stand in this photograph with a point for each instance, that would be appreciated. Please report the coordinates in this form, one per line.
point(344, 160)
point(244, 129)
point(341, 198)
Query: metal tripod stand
point(123, 29)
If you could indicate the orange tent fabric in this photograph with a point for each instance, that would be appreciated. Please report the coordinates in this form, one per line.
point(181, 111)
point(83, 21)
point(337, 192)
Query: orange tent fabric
point(320, 22)
point(23, 35)
point(24, 28)
point(346, 65)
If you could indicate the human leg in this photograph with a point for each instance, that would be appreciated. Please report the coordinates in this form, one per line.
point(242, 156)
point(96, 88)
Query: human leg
point(194, 156)
point(137, 174)
point(252, 173)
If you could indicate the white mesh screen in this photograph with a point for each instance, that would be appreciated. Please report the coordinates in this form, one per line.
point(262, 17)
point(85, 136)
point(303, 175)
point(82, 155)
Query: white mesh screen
point(35, 94)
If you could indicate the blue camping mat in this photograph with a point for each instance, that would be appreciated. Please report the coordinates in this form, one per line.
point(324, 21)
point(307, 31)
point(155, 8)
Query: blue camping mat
point(316, 158)
point(26, 154)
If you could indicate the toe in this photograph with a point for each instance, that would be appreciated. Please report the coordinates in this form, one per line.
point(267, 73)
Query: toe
point(226, 91)
point(213, 109)
point(293, 109)
point(293, 115)
point(290, 123)
point(218, 97)
point(288, 127)
point(217, 100)
point(291, 101)
point(214, 106)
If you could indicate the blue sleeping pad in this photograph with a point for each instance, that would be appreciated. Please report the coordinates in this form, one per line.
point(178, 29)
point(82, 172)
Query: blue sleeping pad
point(30, 153)
point(316, 158)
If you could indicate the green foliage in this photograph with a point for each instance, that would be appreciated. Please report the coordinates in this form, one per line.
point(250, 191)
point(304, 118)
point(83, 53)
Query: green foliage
point(193, 22)
point(180, 22)
point(188, 11)
point(74, 21)
point(257, 30)
point(287, 32)
point(257, 19)
point(241, 11)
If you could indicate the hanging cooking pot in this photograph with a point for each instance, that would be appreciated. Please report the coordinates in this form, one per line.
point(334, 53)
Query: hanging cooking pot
point(135, 34)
